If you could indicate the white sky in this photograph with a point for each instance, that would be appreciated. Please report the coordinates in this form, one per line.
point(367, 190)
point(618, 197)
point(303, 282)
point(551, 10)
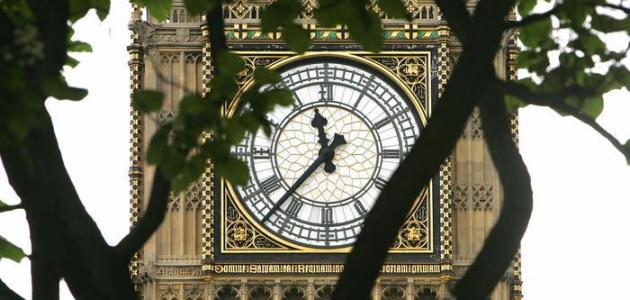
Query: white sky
point(576, 246)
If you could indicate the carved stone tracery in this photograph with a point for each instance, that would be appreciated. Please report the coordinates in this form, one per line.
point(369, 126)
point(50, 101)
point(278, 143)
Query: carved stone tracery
point(241, 235)
point(475, 196)
point(412, 70)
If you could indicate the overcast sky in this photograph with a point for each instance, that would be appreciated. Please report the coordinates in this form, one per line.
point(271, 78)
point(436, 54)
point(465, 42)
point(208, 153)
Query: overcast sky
point(576, 246)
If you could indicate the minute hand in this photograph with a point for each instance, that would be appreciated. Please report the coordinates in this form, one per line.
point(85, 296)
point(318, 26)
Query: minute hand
point(326, 154)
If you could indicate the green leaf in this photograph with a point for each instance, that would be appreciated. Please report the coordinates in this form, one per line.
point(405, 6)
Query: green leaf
point(297, 38)
point(263, 75)
point(222, 87)
point(58, 88)
point(159, 9)
point(282, 97)
point(591, 44)
point(78, 8)
point(191, 104)
point(605, 23)
point(234, 170)
point(394, 9)
point(147, 100)
point(71, 61)
point(234, 130)
point(158, 150)
point(512, 103)
point(280, 13)
point(367, 31)
point(229, 63)
point(333, 12)
point(524, 7)
point(197, 7)
point(79, 46)
point(536, 33)
point(532, 60)
point(574, 11)
point(593, 106)
point(192, 171)
point(10, 251)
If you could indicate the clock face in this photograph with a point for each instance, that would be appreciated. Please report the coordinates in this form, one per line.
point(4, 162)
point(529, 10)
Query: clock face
point(315, 178)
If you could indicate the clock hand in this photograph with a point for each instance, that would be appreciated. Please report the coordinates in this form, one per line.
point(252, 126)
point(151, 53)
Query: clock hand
point(325, 154)
point(319, 122)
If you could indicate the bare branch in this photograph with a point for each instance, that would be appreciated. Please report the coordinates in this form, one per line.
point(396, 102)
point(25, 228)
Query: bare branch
point(458, 17)
point(7, 293)
point(556, 101)
point(614, 6)
point(156, 209)
point(10, 207)
point(467, 84)
point(150, 221)
point(504, 238)
point(215, 22)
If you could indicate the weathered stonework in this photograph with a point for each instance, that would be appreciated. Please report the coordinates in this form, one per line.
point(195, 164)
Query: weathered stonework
point(182, 260)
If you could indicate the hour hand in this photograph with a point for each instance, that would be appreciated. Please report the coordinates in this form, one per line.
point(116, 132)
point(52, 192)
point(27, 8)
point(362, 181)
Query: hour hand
point(319, 122)
point(338, 140)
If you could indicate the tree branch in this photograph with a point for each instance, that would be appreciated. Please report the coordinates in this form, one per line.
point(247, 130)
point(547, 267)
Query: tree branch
point(156, 209)
point(457, 17)
point(65, 239)
point(527, 20)
point(556, 102)
point(7, 293)
point(614, 6)
point(504, 238)
point(466, 85)
point(150, 221)
point(10, 207)
point(215, 22)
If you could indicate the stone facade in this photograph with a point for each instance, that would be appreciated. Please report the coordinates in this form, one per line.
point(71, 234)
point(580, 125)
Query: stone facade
point(181, 261)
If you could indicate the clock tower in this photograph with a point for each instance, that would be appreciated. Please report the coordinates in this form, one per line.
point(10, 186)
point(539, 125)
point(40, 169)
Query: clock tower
point(316, 174)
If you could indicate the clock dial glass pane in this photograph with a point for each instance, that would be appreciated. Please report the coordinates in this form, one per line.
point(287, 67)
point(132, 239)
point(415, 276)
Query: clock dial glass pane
point(326, 207)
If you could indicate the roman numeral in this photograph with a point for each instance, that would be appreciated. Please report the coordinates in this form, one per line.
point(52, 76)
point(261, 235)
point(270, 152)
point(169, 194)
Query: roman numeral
point(359, 207)
point(380, 183)
point(270, 184)
point(294, 208)
point(327, 216)
point(364, 90)
point(261, 153)
point(296, 99)
point(387, 120)
point(326, 92)
point(241, 150)
point(382, 122)
point(390, 153)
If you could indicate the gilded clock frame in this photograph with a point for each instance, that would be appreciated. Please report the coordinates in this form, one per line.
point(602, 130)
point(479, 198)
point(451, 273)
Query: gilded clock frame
point(423, 110)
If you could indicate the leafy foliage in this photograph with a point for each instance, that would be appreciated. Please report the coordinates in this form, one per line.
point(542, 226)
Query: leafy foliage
point(201, 131)
point(22, 88)
point(10, 251)
point(281, 14)
point(147, 100)
point(580, 79)
point(159, 9)
point(78, 8)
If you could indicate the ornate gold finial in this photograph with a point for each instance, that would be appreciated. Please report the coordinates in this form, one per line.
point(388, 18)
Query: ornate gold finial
point(413, 234)
point(240, 233)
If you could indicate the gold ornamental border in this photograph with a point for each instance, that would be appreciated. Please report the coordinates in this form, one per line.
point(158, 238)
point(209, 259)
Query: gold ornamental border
point(317, 268)
point(355, 56)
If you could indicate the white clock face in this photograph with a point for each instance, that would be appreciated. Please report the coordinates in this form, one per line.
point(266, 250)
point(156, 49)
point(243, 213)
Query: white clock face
point(313, 181)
